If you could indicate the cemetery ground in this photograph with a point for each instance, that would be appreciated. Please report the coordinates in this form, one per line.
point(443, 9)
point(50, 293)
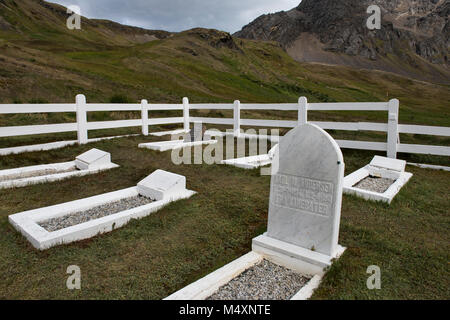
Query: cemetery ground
point(153, 257)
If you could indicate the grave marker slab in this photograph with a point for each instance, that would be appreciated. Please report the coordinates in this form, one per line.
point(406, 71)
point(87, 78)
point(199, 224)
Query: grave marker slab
point(162, 185)
point(92, 159)
point(388, 163)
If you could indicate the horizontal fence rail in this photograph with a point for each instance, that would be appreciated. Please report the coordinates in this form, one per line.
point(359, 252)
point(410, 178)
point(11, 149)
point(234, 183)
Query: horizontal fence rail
point(393, 129)
point(223, 121)
point(210, 106)
point(352, 126)
point(422, 149)
point(93, 107)
point(363, 145)
point(353, 106)
point(38, 129)
point(433, 131)
point(269, 123)
point(270, 106)
point(36, 108)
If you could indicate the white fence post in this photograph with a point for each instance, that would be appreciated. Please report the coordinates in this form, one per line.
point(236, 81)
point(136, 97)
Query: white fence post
point(82, 131)
point(392, 140)
point(187, 126)
point(302, 111)
point(237, 118)
point(144, 115)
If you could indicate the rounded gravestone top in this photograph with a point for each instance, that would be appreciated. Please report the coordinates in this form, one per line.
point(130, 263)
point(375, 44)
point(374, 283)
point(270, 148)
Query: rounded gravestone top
point(308, 150)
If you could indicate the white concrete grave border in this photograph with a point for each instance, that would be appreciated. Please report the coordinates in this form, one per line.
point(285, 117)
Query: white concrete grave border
point(275, 251)
point(252, 162)
point(177, 141)
point(106, 164)
point(208, 285)
point(175, 144)
point(27, 222)
point(54, 145)
point(381, 167)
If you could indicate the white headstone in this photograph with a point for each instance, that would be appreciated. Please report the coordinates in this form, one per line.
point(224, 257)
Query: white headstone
point(388, 163)
point(92, 159)
point(306, 191)
point(162, 185)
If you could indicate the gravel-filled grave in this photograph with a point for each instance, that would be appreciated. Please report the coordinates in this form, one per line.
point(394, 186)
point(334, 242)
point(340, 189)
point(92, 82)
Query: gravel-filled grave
point(264, 281)
point(374, 184)
point(38, 173)
point(104, 210)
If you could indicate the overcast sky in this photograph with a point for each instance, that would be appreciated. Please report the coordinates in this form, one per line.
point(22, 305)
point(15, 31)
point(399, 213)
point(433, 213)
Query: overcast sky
point(178, 15)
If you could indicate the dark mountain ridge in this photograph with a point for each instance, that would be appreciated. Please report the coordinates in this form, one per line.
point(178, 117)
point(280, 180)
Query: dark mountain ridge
point(413, 39)
point(42, 22)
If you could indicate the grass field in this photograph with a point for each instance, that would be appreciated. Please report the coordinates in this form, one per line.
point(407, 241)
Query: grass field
point(153, 257)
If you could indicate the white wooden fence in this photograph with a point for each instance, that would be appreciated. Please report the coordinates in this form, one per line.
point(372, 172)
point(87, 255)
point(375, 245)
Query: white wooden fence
point(392, 146)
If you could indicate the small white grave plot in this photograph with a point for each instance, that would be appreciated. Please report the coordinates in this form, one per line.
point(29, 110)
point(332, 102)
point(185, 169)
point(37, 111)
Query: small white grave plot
point(380, 180)
point(289, 260)
point(252, 162)
point(86, 218)
point(90, 162)
point(189, 139)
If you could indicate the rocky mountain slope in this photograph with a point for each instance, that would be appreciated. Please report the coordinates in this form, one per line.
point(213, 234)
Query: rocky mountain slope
point(413, 39)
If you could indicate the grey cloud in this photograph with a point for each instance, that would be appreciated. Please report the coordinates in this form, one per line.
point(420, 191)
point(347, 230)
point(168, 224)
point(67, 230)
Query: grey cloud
point(178, 15)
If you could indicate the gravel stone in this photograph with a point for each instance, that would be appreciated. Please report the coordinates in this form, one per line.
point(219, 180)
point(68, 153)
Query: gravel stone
point(375, 184)
point(75, 218)
point(38, 173)
point(264, 281)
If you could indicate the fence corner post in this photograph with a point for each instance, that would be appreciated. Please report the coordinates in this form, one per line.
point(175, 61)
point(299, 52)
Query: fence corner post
point(187, 126)
point(392, 139)
point(302, 111)
point(144, 116)
point(81, 109)
point(237, 118)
